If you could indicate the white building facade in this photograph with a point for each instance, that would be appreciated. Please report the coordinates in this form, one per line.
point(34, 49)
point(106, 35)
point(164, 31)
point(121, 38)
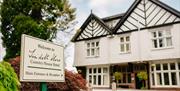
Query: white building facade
point(144, 39)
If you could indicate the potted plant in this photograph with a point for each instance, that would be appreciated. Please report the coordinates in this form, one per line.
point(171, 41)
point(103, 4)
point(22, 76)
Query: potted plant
point(118, 76)
point(143, 77)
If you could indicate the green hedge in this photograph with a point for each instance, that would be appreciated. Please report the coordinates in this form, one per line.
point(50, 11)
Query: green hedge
point(8, 78)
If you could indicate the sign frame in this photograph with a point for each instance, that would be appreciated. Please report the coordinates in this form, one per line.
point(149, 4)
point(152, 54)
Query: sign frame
point(23, 67)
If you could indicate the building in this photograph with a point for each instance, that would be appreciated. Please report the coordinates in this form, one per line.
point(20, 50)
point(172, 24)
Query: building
point(144, 39)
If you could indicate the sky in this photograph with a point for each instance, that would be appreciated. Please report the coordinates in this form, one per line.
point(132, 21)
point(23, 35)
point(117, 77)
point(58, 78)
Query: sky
point(104, 8)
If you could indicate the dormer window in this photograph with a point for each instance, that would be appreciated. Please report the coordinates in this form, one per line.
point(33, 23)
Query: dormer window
point(92, 49)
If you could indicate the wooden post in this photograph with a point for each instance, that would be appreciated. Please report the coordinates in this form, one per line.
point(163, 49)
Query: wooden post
point(43, 86)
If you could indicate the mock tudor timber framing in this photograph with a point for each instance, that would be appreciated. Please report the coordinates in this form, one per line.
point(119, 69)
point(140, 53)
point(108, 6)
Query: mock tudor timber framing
point(150, 13)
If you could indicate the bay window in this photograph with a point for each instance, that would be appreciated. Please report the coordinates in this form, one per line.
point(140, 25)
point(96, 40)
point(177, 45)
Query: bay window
point(92, 49)
point(165, 74)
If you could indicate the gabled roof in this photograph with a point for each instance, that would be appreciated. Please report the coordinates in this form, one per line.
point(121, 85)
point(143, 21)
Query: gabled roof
point(148, 13)
point(92, 19)
point(144, 23)
point(109, 18)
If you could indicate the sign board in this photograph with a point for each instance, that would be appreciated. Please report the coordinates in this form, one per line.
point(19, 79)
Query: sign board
point(41, 61)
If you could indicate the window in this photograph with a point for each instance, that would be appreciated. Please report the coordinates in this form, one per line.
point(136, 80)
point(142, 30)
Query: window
point(99, 76)
point(161, 39)
point(126, 76)
point(166, 74)
point(124, 44)
point(92, 49)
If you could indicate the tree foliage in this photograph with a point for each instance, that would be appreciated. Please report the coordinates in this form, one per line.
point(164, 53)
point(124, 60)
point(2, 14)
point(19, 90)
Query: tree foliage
point(8, 78)
point(38, 18)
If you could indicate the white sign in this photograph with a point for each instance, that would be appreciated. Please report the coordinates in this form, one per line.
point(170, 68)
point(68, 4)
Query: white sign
point(41, 61)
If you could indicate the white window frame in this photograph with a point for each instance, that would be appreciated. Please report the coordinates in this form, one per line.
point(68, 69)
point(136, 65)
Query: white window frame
point(169, 71)
point(125, 43)
point(102, 74)
point(95, 48)
point(163, 37)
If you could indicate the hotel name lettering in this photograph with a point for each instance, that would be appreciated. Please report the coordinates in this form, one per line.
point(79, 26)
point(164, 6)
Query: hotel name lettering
point(40, 59)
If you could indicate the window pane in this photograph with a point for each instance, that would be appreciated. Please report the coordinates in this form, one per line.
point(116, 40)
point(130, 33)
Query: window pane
point(88, 45)
point(160, 33)
point(153, 82)
point(173, 78)
point(94, 80)
point(122, 47)
point(165, 66)
point(127, 47)
point(94, 70)
point(166, 79)
point(154, 34)
point(127, 38)
point(172, 66)
point(122, 39)
point(99, 70)
point(90, 79)
point(159, 79)
point(88, 52)
point(97, 52)
point(105, 70)
point(158, 67)
point(168, 32)
point(179, 66)
point(124, 78)
point(105, 81)
point(155, 43)
point(161, 44)
point(152, 68)
point(92, 52)
point(169, 41)
point(99, 79)
point(129, 78)
point(92, 44)
point(90, 70)
point(97, 44)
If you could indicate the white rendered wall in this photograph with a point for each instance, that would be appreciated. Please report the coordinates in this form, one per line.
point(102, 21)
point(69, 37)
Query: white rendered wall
point(140, 51)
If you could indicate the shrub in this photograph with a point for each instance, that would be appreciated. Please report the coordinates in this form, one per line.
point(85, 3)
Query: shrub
point(142, 75)
point(8, 78)
point(73, 81)
point(118, 76)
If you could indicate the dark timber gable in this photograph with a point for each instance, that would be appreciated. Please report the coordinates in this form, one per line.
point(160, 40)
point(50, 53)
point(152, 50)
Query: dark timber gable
point(92, 28)
point(148, 13)
point(142, 14)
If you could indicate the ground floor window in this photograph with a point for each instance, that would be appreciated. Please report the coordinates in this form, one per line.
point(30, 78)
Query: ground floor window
point(98, 76)
point(165, 74)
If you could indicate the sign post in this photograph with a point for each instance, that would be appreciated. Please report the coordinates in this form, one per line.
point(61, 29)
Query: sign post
point(41, 61)
point(43, 86)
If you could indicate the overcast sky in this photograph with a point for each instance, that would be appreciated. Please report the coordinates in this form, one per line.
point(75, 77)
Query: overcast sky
point(103, 8)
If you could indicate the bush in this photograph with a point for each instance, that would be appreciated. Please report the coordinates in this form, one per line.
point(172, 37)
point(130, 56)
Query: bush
point(73, 81)
point(118, 76)
point(142, 75)
point(8, 78)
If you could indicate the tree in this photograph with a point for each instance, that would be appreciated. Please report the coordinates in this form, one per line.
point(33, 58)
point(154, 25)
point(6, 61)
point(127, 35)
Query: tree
point(38, 18)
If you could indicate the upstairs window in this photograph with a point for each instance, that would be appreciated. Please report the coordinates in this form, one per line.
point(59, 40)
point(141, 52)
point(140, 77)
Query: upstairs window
point(125, 44)
point(161, 39)
point(93, 49)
